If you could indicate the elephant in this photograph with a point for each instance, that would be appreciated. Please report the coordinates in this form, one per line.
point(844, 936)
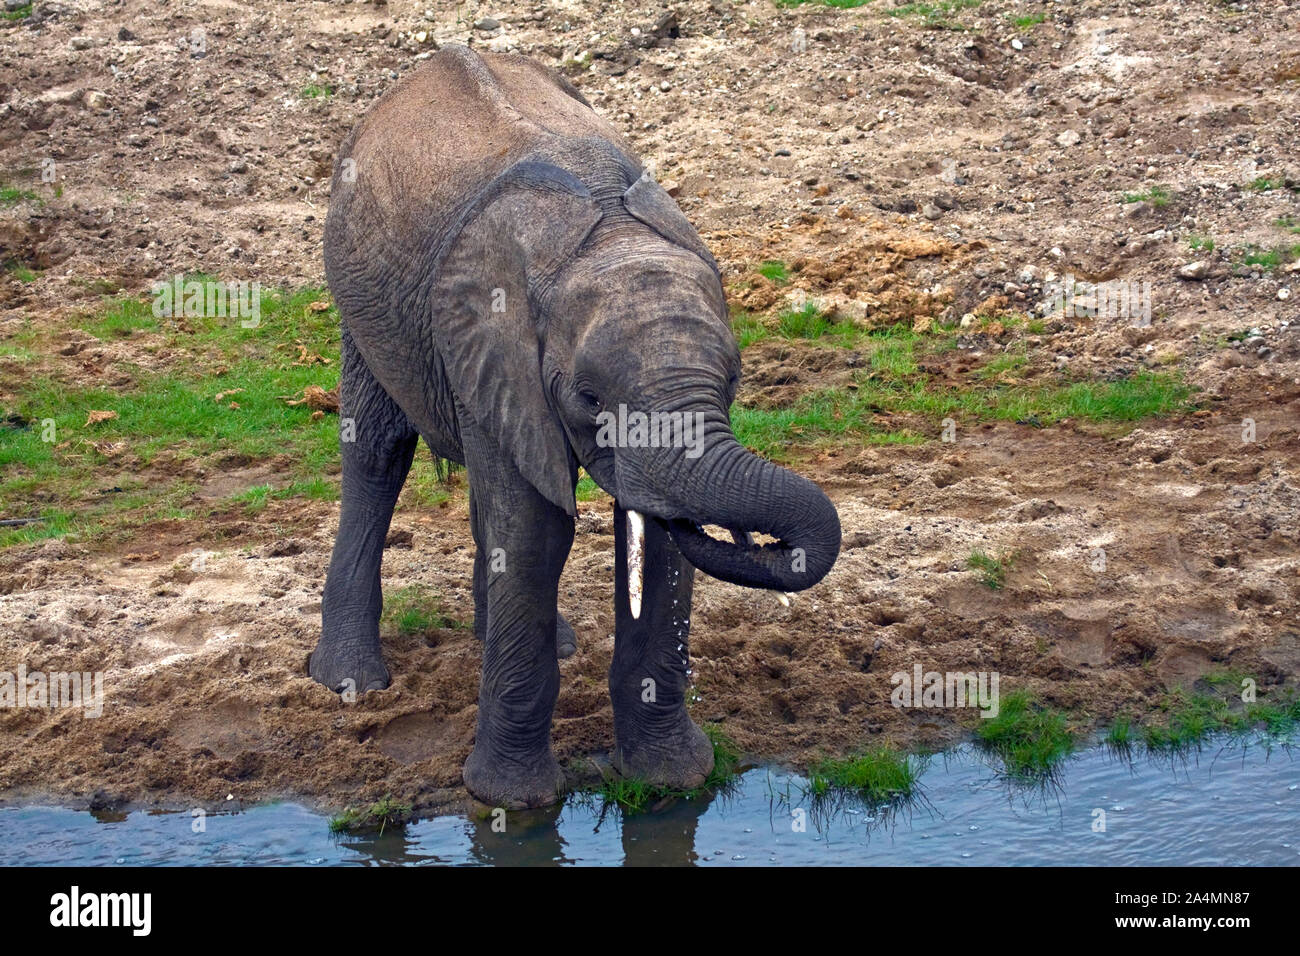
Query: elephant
point(510, 280)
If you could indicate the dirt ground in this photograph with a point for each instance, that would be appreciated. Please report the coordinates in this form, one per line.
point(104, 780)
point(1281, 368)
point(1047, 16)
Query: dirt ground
point(908, 171)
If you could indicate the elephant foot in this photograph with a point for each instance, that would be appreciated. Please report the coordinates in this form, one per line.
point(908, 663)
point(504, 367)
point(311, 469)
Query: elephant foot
point(512, 783)
point(344, 668)
point(681, 759)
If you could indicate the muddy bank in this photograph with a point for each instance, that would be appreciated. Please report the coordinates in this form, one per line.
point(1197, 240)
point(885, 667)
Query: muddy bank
point(204, 642)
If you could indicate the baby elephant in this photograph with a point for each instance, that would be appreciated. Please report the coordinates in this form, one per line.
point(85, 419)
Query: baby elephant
point(515, 290)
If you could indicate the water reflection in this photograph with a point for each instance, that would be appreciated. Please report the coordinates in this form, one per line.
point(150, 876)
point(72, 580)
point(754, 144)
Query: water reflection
point(1224, 804)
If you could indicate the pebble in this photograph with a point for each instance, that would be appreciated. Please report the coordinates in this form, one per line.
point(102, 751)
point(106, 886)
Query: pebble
point(1284, 294)
point(931, 211)
point(1069, 138)
point(1194, 270)
point(487, 25)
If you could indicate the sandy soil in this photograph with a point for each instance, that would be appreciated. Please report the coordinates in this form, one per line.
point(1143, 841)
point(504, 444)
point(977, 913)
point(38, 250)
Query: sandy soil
point(906, 171)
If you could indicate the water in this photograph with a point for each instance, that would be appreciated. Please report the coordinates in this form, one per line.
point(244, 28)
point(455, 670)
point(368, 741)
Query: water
point(1227, 805)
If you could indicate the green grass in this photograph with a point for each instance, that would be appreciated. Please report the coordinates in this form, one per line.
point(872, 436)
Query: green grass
point(1157, 196)
point(810, 323)
point(1265, 184)
point(375, 817)
point(882, 775)
point(936, 14)
point(22, 13)
point(314, 91)
point(588, 490)
point(1288, 223)
point(415, 610)
point(1029, 738)
point(168, 413)
point(121, 318)
point(631, 795)
point(1182, 720)
point(843, 415)
point(1200, 243)
point(893, 358)
point(838, 4)
point(774, 270)
point(1121, 735)
point(816, 418)
point(21, 272)
point(1003, 365)
point(1188, 720)
point(748, 329)
point(1025, 22)
point(254, 499)
point(431, 482)
point(992, 570)
point(1270, 260)
point(12, 195)
point(1124, 400)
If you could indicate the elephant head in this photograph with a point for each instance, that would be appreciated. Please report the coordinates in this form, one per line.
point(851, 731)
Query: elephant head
point(608, 345)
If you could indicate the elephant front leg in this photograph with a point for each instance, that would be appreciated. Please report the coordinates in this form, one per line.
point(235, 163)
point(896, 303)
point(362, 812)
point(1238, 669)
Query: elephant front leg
point(524, 540)
point(655, 739)
point(566, 641)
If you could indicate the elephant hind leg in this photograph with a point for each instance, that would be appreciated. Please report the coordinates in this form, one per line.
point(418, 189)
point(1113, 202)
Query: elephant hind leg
point(377, 444)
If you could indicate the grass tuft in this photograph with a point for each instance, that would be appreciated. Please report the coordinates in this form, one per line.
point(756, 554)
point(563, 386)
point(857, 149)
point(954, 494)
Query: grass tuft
point(415, 609)
point(1030, 739)
point(879, 776)
point(376, 817)
point(1157, 196)
point(774, 270)
point(993, 571)
point(631, 795)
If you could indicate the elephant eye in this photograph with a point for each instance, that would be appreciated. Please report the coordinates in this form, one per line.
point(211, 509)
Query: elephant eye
point(590, 399)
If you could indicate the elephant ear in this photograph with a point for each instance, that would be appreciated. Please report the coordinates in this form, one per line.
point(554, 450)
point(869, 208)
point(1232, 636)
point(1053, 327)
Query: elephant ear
point(647, 201)
point(525, 225)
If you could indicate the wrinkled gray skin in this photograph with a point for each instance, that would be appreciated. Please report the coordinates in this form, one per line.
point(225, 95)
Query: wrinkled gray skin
point(504, 272)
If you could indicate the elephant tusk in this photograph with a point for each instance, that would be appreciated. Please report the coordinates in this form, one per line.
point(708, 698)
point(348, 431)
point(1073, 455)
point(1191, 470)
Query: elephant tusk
point(784, 598)
point(635, 560)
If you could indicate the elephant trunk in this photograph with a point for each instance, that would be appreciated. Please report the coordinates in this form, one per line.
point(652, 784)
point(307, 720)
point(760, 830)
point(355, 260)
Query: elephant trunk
point(730, 486)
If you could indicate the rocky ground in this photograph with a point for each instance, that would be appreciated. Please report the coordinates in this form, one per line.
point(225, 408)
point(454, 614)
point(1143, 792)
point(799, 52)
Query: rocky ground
point(915, 168)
